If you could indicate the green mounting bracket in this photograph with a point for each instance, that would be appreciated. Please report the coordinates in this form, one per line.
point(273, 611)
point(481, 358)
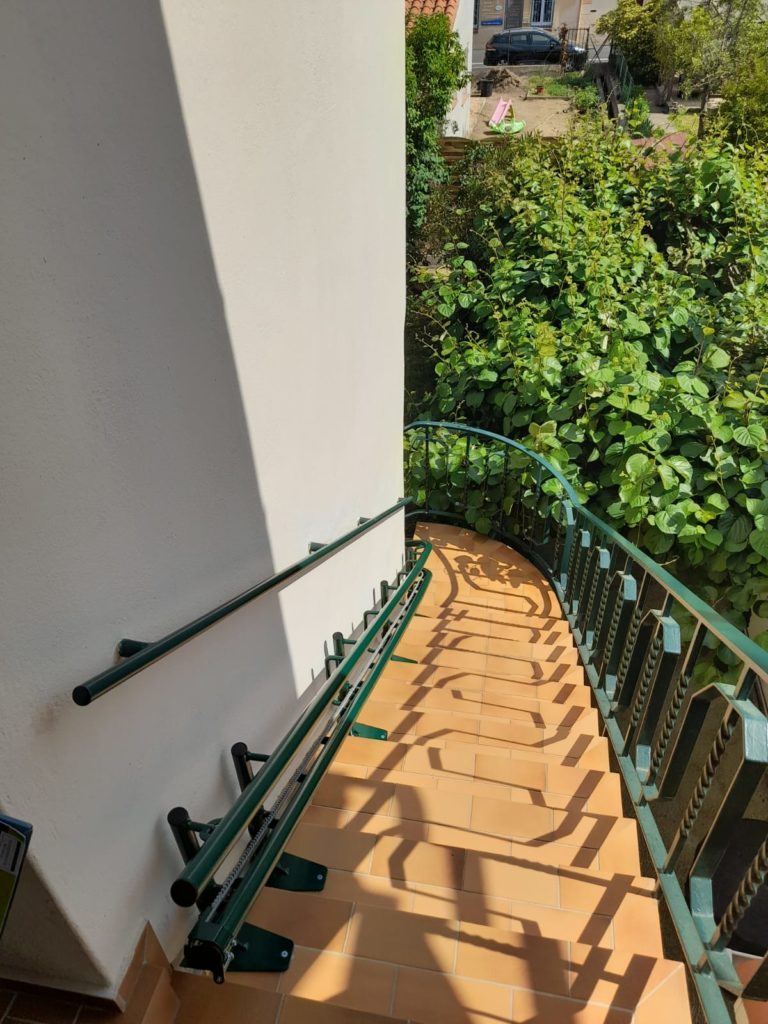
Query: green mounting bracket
point(368, 732)
point(127, 648)
point(406, 661)
point(254, 949)
point(297, 874)
point(316, 545)
point(332, 659)
point(342, 694)
point(257, 949)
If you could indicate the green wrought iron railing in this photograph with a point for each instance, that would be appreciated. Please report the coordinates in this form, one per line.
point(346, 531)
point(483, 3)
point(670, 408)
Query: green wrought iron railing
point(618, 65)
point(137, 654)
point(268, 809)
point(675, 683)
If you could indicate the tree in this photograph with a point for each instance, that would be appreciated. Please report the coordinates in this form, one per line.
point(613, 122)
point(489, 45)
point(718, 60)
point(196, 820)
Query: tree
point(435, 69)
point(705, 46)
point(744, 112)
point(632, 27)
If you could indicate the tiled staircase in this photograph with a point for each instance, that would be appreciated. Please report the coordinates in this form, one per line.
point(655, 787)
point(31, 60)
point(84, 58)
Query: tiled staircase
point(481, 868)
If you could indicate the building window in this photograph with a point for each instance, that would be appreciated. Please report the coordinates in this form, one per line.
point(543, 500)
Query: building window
point(477, 15)
point(542, 12)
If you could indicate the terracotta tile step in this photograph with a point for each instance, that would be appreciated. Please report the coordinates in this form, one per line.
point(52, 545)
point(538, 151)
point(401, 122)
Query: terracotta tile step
point(423, 626)
point(526, 871)
point(466, 611)
point(584, 840)
point(563, 669)
point(503, 777)
point(457, 760)
point(329, 920)
point(519, 600)
point(423, 648)
point(444, 665)
point(492, 730)
point(563, 890)
point(519, 781)
point(411, 685)
point(391, 960)
point(534, 713)
point(203, 1002)
point(594, 797)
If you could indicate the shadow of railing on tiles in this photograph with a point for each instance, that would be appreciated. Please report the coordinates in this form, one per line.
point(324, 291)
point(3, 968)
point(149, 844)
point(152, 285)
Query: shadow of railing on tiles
point(541, 970)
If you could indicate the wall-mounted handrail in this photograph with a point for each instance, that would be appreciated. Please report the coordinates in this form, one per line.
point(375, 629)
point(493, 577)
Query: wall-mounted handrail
point(102, 683)
point(672, 679)
point(213, 941)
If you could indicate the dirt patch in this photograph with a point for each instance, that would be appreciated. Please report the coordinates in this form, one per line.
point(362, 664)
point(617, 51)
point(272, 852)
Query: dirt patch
point(551, 118)
point(502, 78)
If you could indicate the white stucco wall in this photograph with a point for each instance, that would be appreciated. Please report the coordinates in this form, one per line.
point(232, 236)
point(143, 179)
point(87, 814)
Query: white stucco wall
point(201, 285)
point(459, 116)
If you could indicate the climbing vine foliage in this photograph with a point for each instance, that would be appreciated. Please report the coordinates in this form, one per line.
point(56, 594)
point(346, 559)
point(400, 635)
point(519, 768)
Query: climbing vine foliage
point(435, 69)
point(609, 308)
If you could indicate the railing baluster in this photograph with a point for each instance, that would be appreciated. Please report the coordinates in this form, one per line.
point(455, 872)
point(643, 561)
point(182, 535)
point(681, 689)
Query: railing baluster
point(601, 564)
point(426, 469)
point(676, 702)
point(569, 527)
point(503, 497)
point(701, 789)
point(741, 902)
point(581, 552)
point(651, 694)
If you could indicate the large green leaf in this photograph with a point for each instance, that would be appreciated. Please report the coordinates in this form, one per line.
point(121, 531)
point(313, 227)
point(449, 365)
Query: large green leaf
point(751, 435)
point(670, 520)
point(638, 466)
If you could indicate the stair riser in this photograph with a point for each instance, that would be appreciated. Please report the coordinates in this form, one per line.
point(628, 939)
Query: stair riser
point(322, 921)
point(534, 783)
point(422, 648)
point(528, 712)
point(457, 760)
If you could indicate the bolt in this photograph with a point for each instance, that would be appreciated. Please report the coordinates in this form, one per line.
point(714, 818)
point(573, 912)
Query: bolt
point(284, 953)
point(320, 877)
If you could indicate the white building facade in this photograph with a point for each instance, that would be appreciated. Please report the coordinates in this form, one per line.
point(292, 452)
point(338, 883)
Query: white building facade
point(203, 299)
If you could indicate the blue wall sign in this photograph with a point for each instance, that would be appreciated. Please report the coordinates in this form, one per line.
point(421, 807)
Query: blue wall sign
point(493, 21)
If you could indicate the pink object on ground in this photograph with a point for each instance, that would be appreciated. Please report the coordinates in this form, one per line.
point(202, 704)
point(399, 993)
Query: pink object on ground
point(500, 112)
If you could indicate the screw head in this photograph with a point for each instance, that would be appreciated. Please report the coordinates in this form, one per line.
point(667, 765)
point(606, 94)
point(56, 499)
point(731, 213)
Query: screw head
point(320, 877)
point(284, 953)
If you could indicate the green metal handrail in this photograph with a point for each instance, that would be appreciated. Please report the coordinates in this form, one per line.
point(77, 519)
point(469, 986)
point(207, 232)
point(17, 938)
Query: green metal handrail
point(142, 654)
point(218, 934)
point(673, 680)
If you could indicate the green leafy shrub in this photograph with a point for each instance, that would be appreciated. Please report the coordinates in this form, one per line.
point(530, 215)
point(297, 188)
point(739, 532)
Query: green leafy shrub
point(435, 69)
point(633, 28)
point(610, 312)
point(587, 99)
point(637, 113)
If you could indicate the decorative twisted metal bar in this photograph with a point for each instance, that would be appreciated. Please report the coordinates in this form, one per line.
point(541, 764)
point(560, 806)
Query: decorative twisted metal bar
point(651, 659)
point(704, 781)
point(750, 884)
